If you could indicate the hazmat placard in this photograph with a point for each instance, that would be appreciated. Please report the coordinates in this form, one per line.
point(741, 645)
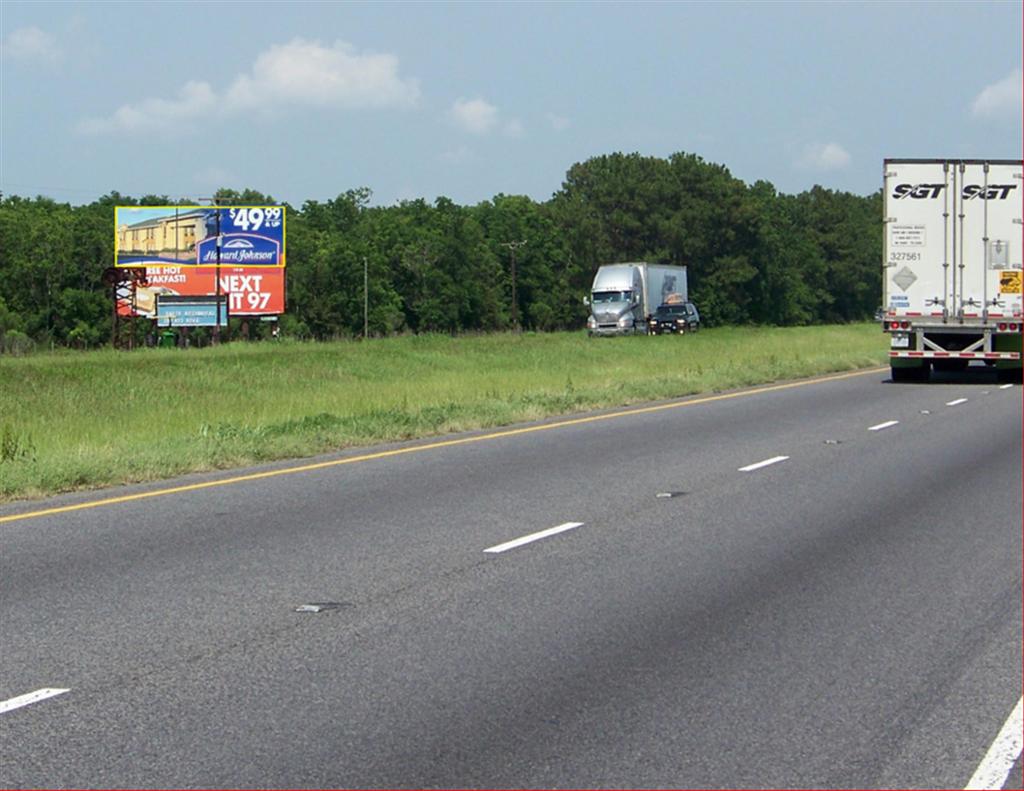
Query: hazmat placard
point(1010, 282)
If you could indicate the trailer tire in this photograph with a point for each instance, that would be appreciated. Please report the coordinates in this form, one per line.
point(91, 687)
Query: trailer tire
point(1009, 375)
point(906, 374)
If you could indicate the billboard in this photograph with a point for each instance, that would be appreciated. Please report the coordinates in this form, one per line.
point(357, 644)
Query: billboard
point(251, 236)
point(251, 291)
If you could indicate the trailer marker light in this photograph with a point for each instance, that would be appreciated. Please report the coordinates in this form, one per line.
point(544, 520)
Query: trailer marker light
point(1002, 326)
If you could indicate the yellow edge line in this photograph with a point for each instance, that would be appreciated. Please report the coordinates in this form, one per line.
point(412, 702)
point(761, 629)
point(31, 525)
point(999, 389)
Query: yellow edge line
point(431, 446)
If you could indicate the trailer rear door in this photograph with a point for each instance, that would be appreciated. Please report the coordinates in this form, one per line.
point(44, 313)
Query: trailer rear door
point(953, 239)
point(988, 239)
point(918, 238)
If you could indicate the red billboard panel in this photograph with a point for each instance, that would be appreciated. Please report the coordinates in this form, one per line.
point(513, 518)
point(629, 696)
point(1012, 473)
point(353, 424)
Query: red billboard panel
point(251, 291)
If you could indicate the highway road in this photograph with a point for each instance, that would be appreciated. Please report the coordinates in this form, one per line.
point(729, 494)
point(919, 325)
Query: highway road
point(814, 584)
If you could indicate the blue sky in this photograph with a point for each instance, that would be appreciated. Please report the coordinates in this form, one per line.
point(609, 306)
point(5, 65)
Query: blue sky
point(305, 100)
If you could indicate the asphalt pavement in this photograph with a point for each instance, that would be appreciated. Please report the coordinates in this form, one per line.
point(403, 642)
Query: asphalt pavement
point(812, 584)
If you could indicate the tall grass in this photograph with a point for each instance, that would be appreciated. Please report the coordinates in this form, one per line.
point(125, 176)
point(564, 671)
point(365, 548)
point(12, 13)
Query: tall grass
point(87, 419)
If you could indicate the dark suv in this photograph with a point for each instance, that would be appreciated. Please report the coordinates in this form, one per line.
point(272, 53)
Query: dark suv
point(674, 319)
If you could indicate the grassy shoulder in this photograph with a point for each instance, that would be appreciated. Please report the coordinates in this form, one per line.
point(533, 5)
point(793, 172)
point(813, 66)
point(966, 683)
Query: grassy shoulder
point(82, 420)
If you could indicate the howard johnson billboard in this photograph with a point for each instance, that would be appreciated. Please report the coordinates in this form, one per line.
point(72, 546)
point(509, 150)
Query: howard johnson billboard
point(250, 236)
point(239, 249)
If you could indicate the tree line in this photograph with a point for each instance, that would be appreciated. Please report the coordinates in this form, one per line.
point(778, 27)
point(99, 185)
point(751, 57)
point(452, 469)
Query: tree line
point(755, 256)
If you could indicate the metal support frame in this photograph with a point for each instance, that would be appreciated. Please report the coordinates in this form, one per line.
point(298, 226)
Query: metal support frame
point(123, 283)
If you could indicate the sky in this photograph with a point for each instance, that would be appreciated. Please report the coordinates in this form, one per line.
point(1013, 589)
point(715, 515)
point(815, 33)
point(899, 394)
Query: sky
point(307, 100)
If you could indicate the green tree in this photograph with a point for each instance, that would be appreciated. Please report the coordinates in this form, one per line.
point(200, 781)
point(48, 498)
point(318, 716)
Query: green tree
point(753, 255)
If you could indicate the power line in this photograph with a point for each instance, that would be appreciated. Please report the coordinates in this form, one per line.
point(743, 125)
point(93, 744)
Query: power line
point(25, 190)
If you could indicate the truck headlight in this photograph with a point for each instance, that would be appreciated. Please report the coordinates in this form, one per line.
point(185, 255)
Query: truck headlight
point(626, 321)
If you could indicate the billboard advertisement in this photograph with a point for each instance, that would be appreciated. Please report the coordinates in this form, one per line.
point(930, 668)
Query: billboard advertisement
point(183, 236)
point(251, 291)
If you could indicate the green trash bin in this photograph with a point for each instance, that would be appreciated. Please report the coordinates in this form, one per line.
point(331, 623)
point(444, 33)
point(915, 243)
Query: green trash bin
point(168, 339)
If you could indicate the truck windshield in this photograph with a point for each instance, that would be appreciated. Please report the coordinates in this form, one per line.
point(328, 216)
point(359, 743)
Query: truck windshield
point(612, 296)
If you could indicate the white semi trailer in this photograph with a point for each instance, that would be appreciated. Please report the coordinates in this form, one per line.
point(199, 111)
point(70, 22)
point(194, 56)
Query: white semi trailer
point(624, 296)
point(951, 285)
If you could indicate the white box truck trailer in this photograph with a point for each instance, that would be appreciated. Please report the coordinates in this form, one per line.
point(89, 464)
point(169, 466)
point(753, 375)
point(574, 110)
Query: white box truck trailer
point(624, 296)
point(951, 284)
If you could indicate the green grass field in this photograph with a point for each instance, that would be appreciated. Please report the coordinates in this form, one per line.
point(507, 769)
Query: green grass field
point(75, 420)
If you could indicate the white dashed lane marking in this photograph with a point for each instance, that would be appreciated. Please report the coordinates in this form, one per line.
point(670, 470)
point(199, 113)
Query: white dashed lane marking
point(1003, 754)
point(518, 542)
point(765, 463)
point(29, 698)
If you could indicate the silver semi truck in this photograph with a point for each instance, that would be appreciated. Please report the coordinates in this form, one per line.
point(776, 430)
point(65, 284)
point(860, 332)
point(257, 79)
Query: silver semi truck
point(951, 285)
point(625, 296)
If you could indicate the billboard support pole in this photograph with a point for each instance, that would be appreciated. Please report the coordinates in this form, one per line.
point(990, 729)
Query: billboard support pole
point(113, 324)
point(216, 326)
point(124, 283)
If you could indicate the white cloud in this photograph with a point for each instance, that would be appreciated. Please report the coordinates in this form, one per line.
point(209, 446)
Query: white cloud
point(299, 73)
point(1001, 99)
point(824, 156)
point(306, 72)
point(32, 45)
point(514, 128)
point(475, 116)
point(213, 177)
point(558, 122)
point(458, 156)
point(158, 115)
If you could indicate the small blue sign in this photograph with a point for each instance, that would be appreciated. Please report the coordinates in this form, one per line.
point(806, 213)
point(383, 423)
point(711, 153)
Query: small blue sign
point(191, 314)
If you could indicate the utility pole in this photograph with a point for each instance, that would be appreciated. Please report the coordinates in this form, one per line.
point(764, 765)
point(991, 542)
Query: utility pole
point(513, 246)
point(366, 299)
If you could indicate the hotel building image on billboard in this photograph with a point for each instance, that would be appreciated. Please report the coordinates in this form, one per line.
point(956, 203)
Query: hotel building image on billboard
point(173, 236)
